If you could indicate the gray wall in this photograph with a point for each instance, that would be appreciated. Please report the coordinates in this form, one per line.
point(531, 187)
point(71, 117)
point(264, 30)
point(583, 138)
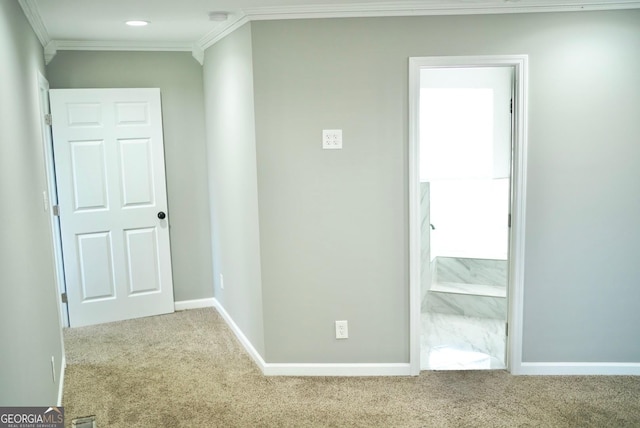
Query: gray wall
point(334, 224)
point(179, 78)
point(231, 150)
point(29, 321)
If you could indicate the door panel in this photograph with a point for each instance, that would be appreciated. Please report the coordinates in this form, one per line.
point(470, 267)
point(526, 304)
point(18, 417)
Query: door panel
point(84, 114)
point(88, 170)
point(96, 266)
point(137, 172)
point(109, 160)
point(132, 113)
point(142, 261)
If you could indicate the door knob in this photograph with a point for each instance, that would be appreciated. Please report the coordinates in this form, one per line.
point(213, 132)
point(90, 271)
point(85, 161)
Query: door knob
point(161, 215)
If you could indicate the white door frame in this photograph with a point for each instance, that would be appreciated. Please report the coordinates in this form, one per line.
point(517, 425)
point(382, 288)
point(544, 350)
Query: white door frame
point(518, 185)
point(51, 196)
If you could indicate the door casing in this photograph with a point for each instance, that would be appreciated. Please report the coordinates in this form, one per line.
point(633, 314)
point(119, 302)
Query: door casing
point(51, 196)
point(518, 190)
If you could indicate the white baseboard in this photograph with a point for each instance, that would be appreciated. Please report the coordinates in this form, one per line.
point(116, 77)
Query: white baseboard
point(393, 369)
point(364, 369)
point(246, 343)
point(184, 305)
point(63, 366)
point(604, 369)
point(311, 369)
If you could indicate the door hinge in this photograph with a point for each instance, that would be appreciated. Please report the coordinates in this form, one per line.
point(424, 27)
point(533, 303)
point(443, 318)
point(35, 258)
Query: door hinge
point(509, 221)
point(511, 106)
point(506, 329)
point(63, 297)
point(48, 119)
point(56, 210)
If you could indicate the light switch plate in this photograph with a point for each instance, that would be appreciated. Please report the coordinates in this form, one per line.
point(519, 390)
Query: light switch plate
point(332, 139)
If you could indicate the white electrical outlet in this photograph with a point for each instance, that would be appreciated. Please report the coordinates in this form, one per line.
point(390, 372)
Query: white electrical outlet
point(342, 330)
point(221, 282)
point(332, 138)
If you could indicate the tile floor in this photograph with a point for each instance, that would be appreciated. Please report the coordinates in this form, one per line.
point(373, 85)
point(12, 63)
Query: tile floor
point(462, 332)
point(459, 342)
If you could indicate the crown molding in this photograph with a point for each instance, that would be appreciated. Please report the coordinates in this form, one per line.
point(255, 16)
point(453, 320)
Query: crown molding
point(420, 8)
point(220, 32)
point(198, 53)
point(102, 45)
point(32, 13)
point(50, 50)
point(106, 45)
point(359, 10)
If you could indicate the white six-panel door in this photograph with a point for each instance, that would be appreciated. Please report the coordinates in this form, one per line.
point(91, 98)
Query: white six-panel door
point(109, 162)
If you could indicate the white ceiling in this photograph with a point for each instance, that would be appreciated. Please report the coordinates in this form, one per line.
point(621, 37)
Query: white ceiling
point(185, 24)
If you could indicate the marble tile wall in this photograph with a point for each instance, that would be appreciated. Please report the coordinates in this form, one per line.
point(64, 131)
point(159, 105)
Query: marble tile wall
point(465, 304)
point(471, 271)
point(475, 289)
point(425, 242)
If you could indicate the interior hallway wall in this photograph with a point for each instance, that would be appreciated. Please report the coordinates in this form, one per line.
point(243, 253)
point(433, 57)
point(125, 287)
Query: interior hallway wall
point(179, 77)
point(334, 224)
point(231, 156)
point(29, 319)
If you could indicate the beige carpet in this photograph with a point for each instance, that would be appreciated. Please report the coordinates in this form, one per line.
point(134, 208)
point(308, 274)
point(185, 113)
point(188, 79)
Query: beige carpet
point(188, 370)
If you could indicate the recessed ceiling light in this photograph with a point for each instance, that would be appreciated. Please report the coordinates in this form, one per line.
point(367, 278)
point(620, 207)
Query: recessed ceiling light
point(136, 23)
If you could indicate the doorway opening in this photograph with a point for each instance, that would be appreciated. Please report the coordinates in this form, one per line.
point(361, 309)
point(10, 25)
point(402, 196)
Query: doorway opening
point(465, 165)
point(467, 181)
